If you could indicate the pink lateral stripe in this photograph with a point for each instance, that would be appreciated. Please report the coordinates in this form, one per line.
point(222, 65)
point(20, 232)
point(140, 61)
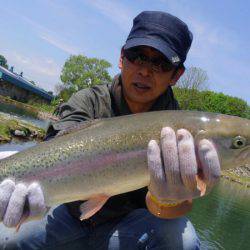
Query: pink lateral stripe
point(79, 166)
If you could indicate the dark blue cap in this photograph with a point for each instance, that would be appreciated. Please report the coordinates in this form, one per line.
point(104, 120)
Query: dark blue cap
point(162, 31)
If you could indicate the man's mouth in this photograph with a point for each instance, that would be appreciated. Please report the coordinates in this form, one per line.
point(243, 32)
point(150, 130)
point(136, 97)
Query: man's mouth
point(141, 86)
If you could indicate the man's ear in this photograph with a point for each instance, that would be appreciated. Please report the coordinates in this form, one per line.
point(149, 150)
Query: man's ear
point(121, 59)
point(177, 75)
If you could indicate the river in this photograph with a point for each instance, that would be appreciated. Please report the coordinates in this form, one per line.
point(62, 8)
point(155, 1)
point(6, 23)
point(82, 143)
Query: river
point(222, 218)
point(18, 113)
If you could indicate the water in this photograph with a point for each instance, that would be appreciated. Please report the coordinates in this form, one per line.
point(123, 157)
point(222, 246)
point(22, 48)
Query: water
point(18, 113)
point(12, 109)
point(222, 218)
point(16, 146)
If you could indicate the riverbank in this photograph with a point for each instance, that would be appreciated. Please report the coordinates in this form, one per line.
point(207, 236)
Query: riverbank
point(16, 129)
point(40, 111)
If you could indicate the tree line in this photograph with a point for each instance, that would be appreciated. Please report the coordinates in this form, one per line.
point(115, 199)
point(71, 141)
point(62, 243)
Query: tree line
point(192, 92)
point(3, 62)
point(211, 102)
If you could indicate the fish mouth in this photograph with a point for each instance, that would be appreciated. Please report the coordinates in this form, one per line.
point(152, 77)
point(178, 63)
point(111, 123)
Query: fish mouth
point(244, 155)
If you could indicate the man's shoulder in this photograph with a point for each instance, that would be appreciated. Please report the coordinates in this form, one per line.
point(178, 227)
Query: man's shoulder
point(94, 101)
point(96, 91)
point(92, 97)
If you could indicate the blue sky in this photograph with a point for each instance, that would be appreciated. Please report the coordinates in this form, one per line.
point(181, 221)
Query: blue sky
point(37, 36)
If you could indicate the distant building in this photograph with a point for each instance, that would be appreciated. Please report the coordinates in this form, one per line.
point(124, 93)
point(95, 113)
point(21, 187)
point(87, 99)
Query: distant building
point(19, 88)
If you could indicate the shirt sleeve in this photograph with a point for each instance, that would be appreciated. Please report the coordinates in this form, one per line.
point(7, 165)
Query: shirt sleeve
point(85, 105)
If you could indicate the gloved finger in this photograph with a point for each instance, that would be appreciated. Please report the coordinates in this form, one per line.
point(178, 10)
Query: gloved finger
point(170, 156)
point(15, 207)
point(35, 197)
point(209, 161)
point(154, 162)
point(157, 185)
point(187, 159)
point(6, 189)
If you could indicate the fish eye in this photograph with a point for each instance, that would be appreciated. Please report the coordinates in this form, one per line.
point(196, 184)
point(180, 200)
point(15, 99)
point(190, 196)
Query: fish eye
point(238, 142)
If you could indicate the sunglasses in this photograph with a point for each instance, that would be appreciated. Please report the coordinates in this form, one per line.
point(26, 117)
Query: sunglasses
point(157, 64)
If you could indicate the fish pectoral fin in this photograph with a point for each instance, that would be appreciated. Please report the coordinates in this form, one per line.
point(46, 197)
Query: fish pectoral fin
point(92, 206)
point(201, 185)
point(27, 216)
point(22, 220)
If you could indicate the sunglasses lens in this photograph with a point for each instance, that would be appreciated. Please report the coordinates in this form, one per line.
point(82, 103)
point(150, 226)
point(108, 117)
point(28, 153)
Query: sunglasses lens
point(138, 58)
point(131, 55)
point(167, 66)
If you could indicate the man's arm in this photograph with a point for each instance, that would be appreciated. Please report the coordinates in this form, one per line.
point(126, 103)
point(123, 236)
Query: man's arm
point(85, 105)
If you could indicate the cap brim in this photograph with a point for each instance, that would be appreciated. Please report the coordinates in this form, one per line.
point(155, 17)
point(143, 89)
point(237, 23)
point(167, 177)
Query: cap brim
point(156, 44)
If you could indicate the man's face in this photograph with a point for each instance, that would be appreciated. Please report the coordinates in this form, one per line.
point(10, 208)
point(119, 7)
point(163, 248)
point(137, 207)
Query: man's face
point(141, 83)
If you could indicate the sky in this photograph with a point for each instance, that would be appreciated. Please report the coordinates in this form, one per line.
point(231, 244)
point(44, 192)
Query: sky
point(38, 36)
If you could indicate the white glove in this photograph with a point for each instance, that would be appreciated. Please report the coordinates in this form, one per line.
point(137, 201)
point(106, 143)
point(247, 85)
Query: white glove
point(19, 202)
point(178, 170)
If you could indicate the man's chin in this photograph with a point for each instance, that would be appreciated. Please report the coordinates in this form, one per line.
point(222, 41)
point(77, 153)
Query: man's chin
point(142, 98)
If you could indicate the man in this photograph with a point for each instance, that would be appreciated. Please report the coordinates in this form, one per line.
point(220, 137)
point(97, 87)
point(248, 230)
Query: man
point(151, 62)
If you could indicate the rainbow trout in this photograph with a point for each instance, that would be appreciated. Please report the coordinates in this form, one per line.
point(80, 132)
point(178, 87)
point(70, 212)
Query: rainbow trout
point(109, 156)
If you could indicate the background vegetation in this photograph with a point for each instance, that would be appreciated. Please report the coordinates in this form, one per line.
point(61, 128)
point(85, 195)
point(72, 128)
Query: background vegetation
point(3, 62)
point(192, 93)
point(81, 72)
point(211, 102)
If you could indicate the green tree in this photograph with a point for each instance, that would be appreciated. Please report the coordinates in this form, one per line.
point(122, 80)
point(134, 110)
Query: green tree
point(212, 102)
point(81, 72)
point(63, 92)
point(3, 62)
point(194, 78)
point(66, 93)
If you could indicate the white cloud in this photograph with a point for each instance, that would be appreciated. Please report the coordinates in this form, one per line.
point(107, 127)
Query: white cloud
point(44, 71)
point(59, 43)
point(40, 65)
point(51, 37)
point(117, 12)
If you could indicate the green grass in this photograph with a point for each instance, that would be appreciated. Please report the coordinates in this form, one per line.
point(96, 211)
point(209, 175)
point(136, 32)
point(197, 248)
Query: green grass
point(4, 133)
point(44, 107)
point(9, 125)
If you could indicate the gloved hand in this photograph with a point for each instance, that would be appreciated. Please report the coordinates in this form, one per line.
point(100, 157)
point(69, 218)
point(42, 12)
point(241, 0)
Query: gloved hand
point(180, 170)
point(19, 202)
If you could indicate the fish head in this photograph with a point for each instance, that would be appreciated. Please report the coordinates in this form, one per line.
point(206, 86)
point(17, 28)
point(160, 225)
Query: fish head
point(231, 138)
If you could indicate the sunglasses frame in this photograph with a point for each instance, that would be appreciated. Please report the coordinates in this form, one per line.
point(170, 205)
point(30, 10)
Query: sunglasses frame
point(137, 57)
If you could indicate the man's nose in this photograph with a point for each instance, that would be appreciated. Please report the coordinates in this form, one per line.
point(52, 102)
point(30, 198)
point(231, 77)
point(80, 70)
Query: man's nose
point(145, 69)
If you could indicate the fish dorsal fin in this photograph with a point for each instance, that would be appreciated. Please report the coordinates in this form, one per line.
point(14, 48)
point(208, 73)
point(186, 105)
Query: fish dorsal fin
point(77, 127)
